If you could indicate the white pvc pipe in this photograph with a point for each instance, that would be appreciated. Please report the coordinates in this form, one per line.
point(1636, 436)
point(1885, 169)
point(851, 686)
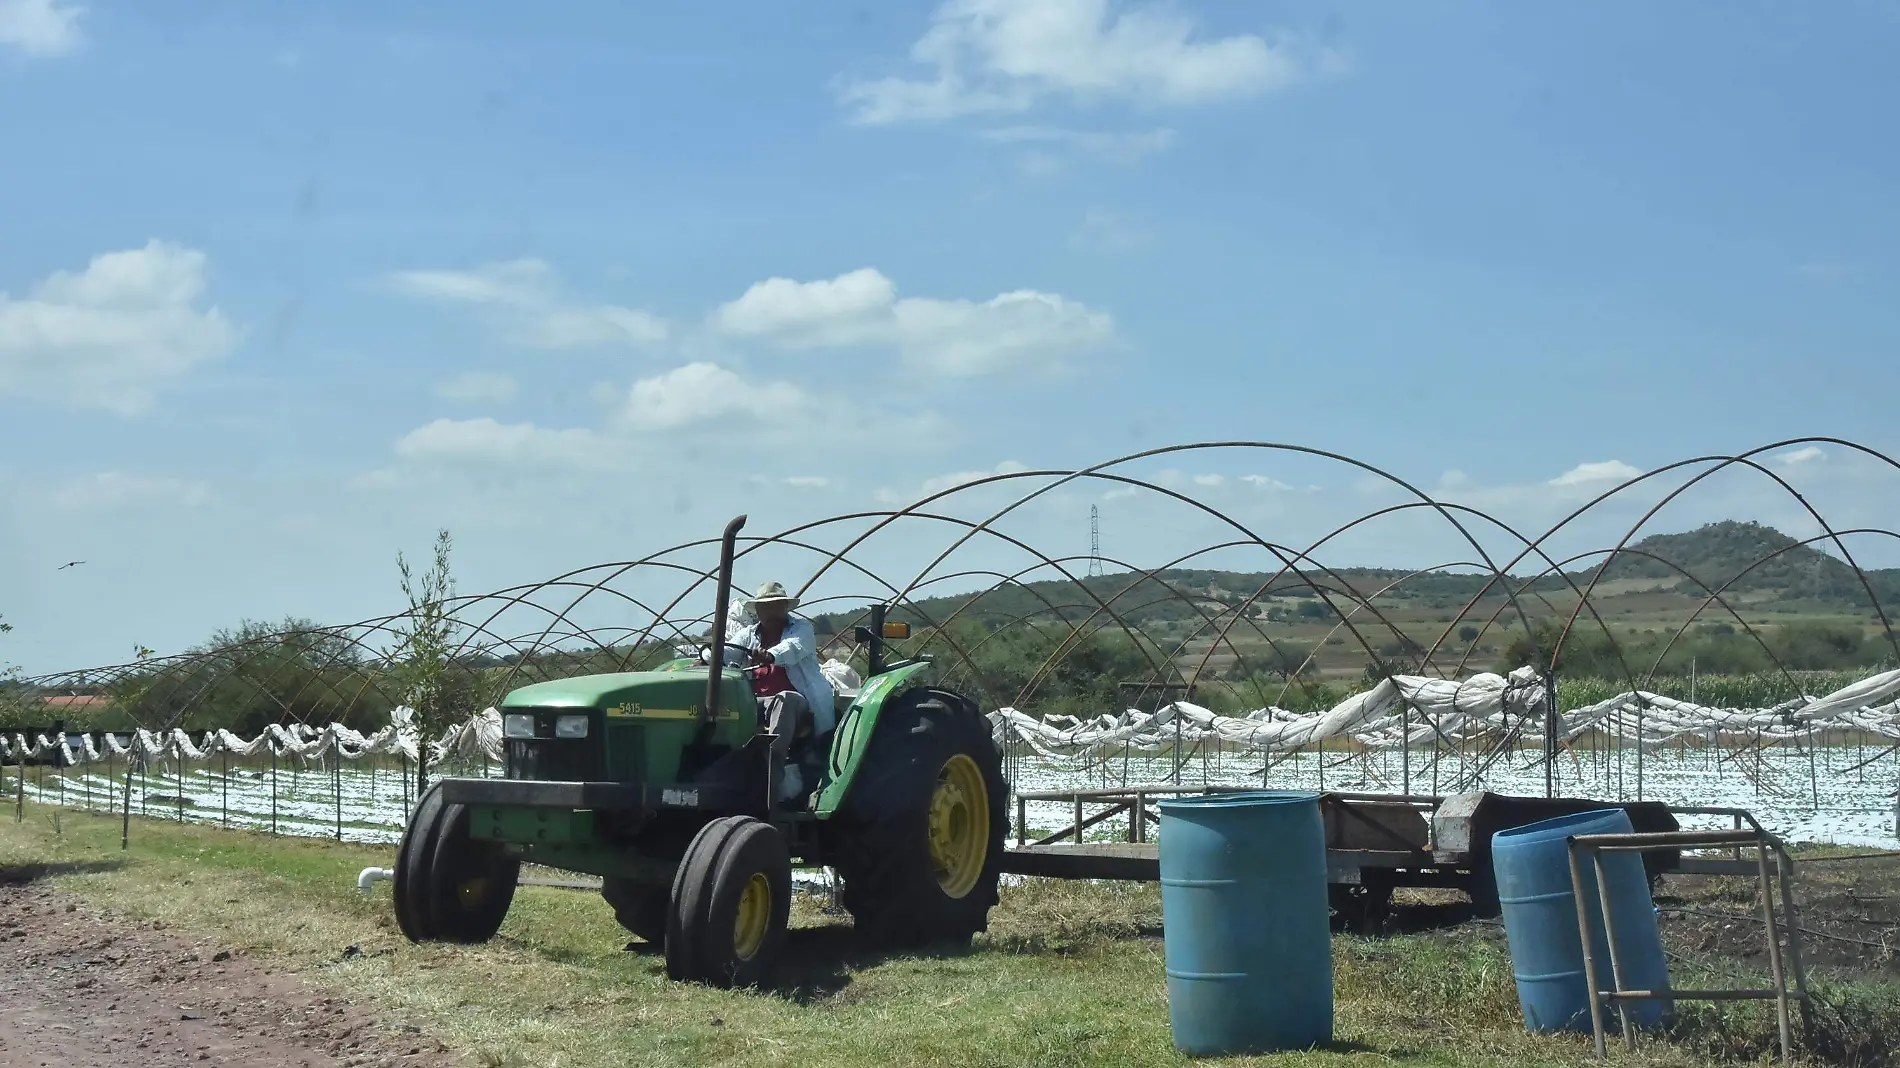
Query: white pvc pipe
point(372, 875)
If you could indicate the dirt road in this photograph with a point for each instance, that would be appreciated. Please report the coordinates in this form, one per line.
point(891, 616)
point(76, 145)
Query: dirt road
point(86, 990)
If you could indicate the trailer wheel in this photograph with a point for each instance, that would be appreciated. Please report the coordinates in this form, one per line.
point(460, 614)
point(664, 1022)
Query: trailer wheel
point(920, 834)
point(1360, 909)
point(731, 898)
point(413, 859)
point(471, 884)
point(640, 907)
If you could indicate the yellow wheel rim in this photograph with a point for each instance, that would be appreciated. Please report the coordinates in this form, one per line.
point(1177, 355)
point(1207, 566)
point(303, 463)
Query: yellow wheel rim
point(959, 825)
point(753, 917)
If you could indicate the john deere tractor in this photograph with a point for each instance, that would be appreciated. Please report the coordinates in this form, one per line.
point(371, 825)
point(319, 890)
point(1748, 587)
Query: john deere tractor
point(663, 784)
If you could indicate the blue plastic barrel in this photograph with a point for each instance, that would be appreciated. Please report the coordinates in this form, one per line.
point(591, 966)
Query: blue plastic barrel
point(1532, 863)
point(1248, 942)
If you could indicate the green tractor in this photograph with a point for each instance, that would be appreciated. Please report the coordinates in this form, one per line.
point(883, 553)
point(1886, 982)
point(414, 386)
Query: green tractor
point(663, 784)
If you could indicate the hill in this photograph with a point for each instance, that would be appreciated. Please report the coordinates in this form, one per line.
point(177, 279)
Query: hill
point(1662, 575)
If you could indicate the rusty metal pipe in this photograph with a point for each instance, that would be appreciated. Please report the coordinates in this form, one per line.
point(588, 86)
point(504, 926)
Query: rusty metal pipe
point(716, 659)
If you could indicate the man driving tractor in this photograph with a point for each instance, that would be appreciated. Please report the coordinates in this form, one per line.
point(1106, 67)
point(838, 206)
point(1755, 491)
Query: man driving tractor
point(792, 687)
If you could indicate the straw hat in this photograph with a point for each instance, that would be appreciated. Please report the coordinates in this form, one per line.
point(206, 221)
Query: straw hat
point(773, 592)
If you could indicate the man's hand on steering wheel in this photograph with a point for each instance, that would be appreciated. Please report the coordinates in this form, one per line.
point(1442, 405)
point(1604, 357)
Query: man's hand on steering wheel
point(762, 657)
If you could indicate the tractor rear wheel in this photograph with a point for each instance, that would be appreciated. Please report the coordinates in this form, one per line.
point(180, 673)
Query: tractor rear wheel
point(640, 907)
point(413, 860)
point(471, 884)
point(731, 898)
point(920, 834)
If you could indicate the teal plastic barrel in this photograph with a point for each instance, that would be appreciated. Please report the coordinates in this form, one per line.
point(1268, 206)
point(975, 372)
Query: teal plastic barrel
point(1532, 864)
point(1243, 902)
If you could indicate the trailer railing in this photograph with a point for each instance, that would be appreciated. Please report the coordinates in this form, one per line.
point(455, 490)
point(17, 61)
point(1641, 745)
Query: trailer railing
point(1593, 846)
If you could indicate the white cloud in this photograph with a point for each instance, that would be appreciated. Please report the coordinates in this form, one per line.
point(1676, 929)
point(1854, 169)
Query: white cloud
point(1805, 455)
point(1210, 480)
point(1023, 329)
point(478, 387)
point(706, 392)
point(807, 481)
point(1266, 482)
point(850, 309)
point(40, 27)
point(940, 483)
point(110, 335)
point(1596, 471)
point(964, 478)
point(1123, 147)
point(115, 489)
point(525, 297)
point(487, 441)
point(1003, 56)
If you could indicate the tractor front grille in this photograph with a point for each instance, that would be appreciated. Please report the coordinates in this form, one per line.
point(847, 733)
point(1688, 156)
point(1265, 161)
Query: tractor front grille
point(549, 759)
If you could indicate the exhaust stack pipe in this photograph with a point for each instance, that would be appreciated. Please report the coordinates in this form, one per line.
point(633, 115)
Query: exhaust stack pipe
point(716, 663)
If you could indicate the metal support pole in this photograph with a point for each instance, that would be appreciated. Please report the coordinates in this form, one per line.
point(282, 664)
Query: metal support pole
point(1774, 955)
point(1783, 870)
point(1177, 747)
point(1405, 746)
point(125, 824)
point(1589, 953)
point(336, 785)
point(1551, 718)
point(1609, 939)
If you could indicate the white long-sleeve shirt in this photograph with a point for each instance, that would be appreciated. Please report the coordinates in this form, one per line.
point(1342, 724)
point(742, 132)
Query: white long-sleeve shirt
point(797, 653)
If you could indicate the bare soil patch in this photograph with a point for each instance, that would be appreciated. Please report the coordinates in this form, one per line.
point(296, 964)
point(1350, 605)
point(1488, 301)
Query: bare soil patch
point(87, 989)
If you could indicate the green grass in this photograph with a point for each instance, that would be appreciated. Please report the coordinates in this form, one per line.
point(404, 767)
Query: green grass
point(1070, 974)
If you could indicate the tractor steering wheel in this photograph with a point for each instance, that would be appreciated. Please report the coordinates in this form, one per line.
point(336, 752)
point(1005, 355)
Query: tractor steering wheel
point(737, 656)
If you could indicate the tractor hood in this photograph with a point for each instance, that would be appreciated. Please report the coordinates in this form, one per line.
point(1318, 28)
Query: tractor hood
point(632, 693)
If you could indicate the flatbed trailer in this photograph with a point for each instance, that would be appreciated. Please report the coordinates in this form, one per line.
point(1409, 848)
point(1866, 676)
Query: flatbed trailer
point(1375, 843)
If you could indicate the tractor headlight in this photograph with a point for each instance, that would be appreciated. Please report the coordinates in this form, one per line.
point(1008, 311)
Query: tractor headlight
point(570, 727)
point(517, 725)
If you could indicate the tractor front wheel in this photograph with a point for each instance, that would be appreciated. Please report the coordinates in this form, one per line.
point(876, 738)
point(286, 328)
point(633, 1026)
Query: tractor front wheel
point(450, 887)
point(472, 882)
point(414, 857)
point(920, 834)
point(731, 898)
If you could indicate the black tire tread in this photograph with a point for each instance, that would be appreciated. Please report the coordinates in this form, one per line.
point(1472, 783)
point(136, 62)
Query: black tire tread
point(456, 855)
point(414, 858)
point(722, 858)
point(882, 850)
point(692, 883)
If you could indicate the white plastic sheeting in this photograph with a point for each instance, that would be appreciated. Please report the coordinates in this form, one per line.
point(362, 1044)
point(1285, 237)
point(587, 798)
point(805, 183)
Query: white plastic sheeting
point(1412, 710)
point(479, 735)
point(1401, 710)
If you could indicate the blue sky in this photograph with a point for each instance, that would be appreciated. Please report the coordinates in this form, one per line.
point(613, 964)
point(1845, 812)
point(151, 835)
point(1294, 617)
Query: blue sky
point(288, 286)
